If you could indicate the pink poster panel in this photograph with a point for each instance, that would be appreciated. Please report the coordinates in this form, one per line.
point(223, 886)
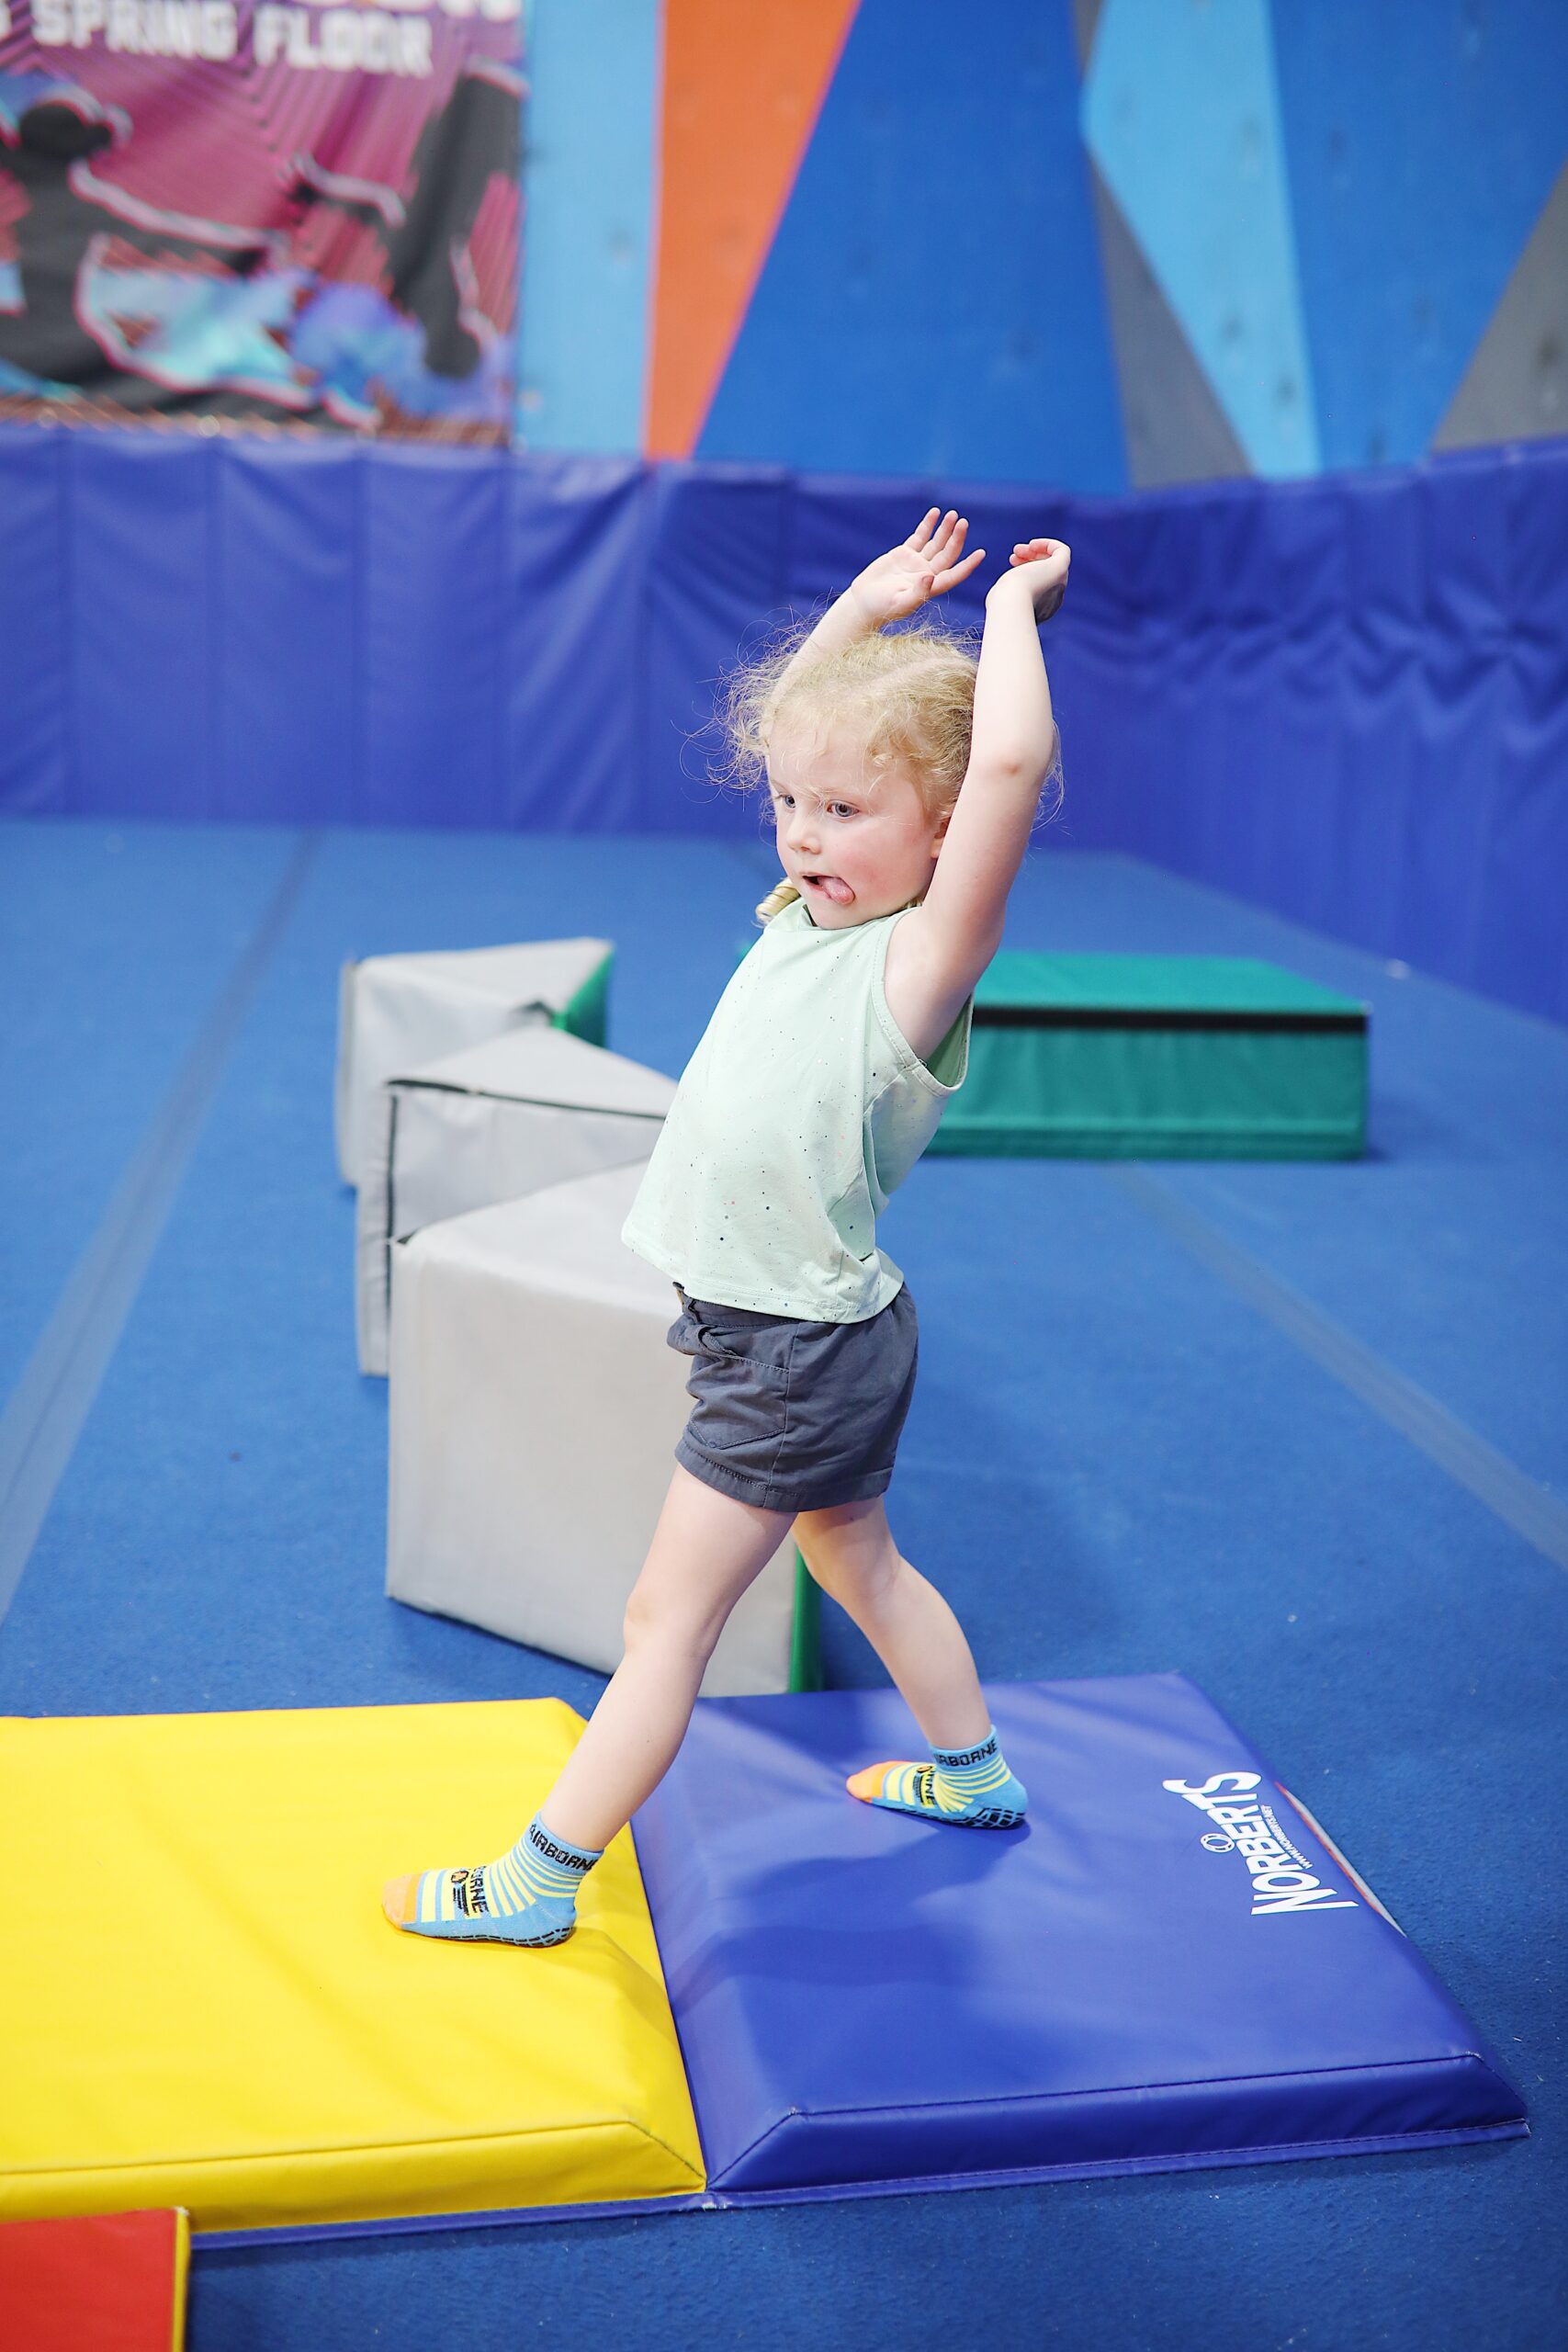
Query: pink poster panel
point(255, 213)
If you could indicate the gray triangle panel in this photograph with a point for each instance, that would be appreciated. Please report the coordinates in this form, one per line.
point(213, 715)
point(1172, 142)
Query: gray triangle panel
point(1516, 387)
point(1174, 426)
point(1086, 24)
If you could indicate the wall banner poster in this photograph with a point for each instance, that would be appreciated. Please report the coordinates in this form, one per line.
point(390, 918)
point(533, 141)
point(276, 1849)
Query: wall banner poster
point(251, 214)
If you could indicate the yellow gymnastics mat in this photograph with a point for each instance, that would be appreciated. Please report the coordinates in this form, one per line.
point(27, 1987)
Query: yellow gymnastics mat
point(201, 2004)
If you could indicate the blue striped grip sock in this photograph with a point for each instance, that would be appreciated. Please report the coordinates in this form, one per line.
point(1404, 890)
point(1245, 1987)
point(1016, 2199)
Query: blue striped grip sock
point(970, 1786)
point(526, 1896)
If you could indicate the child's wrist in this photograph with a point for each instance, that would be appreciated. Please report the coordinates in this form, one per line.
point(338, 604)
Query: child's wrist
point(1010, 589)
point(857, 611)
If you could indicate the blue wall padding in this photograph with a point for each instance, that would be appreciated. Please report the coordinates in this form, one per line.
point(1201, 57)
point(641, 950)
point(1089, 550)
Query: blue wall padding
point(142, 648)
point(36, 769)
point(723, 536)
point(1346, 699)
point(436, 641)
point(863, 1997)
point(290, 586)
point(578, 565)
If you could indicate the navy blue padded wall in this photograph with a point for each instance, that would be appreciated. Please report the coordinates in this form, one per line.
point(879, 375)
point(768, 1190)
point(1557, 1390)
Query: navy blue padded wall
point(287, 585)
point(721, 571)
point(436, 641)
point(1346, 698)
point(1130, 1981)
point(36, 767)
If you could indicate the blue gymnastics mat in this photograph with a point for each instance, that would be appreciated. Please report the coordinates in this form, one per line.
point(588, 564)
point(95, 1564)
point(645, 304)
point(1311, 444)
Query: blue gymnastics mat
point(1168, 1965)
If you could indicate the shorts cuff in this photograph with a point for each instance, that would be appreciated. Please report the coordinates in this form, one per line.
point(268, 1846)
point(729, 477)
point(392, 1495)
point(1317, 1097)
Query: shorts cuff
point(772, 1494)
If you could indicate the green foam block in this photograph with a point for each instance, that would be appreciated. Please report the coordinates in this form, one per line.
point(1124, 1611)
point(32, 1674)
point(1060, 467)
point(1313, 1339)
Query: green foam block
point(1102, 1057)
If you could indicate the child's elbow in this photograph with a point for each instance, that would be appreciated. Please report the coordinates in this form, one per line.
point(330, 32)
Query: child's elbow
point(1002, 763)
point(1012, 767)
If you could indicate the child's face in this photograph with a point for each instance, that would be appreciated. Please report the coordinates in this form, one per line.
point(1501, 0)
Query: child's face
point(853, 849)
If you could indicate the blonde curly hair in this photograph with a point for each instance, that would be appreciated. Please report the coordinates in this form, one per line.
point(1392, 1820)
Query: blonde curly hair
point(909, 693)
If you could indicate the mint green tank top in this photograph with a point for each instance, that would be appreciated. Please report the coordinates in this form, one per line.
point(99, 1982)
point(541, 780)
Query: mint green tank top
point(803, 1108)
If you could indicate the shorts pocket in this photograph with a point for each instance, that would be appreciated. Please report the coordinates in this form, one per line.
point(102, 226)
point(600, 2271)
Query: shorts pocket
point(739, 1383)
point(737, 1344)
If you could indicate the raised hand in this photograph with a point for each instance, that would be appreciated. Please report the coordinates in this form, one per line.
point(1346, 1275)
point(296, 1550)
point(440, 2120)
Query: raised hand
point(927, 564)
point(1041, 565)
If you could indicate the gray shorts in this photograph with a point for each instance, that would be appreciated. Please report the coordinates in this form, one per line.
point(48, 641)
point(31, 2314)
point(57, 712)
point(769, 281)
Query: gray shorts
point(794, 1416)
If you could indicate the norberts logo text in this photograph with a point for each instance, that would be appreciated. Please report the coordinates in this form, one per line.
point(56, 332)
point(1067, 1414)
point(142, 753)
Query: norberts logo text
point(1280, 1880)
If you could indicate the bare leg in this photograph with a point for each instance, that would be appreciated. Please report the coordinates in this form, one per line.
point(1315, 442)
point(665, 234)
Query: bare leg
point(707, 1549)
point(852, 1554)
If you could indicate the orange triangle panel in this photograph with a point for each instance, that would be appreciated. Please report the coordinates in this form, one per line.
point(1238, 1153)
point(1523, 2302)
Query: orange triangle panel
point(742, 91)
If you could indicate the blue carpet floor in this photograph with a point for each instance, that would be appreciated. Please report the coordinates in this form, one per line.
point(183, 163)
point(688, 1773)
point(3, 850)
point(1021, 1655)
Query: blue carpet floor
point(1297, 1430)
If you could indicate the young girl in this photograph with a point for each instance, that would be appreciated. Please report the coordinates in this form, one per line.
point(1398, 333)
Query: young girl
point(818, 1084)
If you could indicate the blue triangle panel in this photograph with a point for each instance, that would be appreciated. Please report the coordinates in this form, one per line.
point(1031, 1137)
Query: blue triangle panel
point(932, 300)
point(1182, 117)
point(1421, 144)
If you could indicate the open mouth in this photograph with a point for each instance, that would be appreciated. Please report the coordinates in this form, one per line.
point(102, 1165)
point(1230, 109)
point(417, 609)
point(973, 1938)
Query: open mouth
point(830, 886)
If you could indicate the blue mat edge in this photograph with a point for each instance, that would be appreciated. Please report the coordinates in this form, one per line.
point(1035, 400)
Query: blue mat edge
point(727, 2200)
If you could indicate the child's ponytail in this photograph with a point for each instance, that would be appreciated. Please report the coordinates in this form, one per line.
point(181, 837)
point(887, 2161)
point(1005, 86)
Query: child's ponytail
point(782, 895)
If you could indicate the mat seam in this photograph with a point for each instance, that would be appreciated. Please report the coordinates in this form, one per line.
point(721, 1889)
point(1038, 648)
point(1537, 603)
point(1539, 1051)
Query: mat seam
point(360, 2147)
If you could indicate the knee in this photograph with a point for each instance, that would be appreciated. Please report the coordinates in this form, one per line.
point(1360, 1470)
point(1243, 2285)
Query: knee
point(862, 1585)
point(653, 1621)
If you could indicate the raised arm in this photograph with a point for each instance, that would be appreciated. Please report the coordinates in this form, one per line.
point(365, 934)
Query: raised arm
point(927, 564)
point(939, 950)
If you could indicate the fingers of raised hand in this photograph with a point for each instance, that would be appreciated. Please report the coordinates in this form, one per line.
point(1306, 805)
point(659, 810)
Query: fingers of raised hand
point(948, 560)
point(939, 537)
point(954, 531)
point(951, 577)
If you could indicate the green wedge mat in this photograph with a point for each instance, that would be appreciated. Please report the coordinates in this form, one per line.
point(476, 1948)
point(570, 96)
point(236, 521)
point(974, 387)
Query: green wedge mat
point(584, 1013)
point(1159, 1058)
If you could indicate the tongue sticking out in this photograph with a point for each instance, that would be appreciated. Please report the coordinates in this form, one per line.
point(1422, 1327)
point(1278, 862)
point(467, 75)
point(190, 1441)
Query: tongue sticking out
point(831, 887)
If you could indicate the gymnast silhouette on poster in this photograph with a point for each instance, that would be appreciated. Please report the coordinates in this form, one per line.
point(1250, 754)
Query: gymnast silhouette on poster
point(70, 214)
point(427, 272)
point(222, 310)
